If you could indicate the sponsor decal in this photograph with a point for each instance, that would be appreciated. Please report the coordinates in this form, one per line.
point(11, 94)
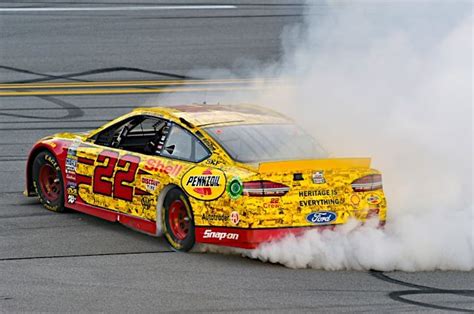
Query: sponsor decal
point(71, 176)
point(209, 144)
point(318, 177)
point(322, 192)
point(212, 162)
point(71, 188)
point(214, 217)
point(234, 218)
point(204, 183)
point(71, 165)
point(321, 217)
point(146, 202)
point(324, 197)
point(150, 184)
point(373, 199)
point(72, 150)
point(169, 168)
point(235, 188)
point(274, 203)
point(355, 199)
point(330, 201)
point(71, 199)
point(209, 234)
point(51, 160)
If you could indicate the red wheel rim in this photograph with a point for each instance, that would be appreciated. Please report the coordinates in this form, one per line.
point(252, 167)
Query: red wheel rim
point(49, 183)
point(178, 219)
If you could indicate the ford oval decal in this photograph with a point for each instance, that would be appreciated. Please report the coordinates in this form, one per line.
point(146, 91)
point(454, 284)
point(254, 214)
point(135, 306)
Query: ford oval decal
point(321, 217)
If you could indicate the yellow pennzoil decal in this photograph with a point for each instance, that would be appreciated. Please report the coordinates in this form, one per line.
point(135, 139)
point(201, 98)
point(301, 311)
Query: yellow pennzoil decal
point(204, 183)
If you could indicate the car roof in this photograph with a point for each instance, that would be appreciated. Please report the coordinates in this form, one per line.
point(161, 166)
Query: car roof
point(215, 114)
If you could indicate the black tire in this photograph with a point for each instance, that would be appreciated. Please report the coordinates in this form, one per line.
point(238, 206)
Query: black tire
point(172, 225)
point(48, 181)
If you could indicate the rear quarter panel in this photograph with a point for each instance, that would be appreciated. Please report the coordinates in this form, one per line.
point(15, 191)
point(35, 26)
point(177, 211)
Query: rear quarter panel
point(292, 210)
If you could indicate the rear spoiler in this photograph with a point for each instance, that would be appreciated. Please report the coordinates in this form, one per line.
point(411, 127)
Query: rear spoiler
point(315, 164)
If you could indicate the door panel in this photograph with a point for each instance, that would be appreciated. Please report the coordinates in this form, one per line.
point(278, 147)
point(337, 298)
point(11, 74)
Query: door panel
point(122, 181)
point(125, 171)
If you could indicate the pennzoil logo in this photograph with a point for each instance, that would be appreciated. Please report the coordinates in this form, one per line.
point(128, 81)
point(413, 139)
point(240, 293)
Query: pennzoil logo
point(373, 199)
point(204, 183)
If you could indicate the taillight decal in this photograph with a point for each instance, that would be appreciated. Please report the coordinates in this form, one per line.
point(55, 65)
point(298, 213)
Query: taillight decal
point(264, 188)
point(371, 182)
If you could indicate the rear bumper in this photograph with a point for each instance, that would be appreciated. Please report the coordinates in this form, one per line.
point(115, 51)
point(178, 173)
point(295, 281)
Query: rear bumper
point(247, 238)
point(250, 238)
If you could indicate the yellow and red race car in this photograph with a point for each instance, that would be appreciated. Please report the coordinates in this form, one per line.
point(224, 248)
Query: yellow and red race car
point(234, 175)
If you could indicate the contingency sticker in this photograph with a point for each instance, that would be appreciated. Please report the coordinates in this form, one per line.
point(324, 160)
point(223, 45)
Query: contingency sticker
point(204, 183)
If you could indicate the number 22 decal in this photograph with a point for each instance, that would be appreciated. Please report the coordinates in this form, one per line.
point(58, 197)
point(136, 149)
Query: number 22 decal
point(127, 167)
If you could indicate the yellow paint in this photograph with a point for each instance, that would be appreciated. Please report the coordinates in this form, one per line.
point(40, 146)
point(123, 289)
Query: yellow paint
point(325, 185)
point(135, 83)
point(129, 91)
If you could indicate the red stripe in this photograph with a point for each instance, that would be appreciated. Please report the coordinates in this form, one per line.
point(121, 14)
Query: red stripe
point(141, 171)
point(143, 225)
point(86, 161)
point(83, 179)
point(141, 192)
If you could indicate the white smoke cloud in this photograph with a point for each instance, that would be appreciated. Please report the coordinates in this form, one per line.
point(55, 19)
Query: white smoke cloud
point(392, 81)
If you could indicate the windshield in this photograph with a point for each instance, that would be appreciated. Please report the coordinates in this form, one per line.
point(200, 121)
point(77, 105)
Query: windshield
point(266, 142)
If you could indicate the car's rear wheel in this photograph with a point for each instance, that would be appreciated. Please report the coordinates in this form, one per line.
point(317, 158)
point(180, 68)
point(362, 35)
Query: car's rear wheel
point(178, 222)
point(48, 181)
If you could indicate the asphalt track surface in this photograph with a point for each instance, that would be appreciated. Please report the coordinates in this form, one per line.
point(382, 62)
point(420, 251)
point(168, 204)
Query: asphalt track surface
point(73, 262)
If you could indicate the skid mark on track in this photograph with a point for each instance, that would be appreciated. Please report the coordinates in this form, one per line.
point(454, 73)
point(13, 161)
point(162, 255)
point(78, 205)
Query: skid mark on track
point(56, 121)
point(81, 255)
point(72, 111)
point(84, 108)
point(73, 76)
point(45, 77)
point(422, 290)
point(67, 128)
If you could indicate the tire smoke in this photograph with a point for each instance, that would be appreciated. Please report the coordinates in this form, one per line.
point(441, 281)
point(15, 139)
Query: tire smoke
point(392, 81)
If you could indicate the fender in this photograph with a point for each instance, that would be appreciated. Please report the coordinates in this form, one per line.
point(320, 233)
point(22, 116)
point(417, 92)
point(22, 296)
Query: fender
point(57, 147)
point(159, 208)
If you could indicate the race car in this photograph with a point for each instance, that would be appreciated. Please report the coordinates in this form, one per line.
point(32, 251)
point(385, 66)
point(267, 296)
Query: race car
point(231, 175)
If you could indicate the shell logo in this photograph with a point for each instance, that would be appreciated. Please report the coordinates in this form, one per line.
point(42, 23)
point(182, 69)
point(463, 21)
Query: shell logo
point(204, 183)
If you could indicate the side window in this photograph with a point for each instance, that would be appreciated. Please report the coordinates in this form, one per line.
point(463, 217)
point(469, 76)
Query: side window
point(142, 134)
point(109, 136)
point(183, 145)
point(147, 127)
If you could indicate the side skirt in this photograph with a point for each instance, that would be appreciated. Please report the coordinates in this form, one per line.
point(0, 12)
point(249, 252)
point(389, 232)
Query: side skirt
point(139, 224)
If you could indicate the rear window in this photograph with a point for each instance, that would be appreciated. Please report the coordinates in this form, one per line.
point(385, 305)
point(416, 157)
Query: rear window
point(266, 142)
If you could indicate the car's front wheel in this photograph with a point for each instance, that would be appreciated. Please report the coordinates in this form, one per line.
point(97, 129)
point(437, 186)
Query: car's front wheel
point(178, 222)
point(48, 182)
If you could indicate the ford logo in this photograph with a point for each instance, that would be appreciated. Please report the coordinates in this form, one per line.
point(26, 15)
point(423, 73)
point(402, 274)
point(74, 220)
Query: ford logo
point(321, 217)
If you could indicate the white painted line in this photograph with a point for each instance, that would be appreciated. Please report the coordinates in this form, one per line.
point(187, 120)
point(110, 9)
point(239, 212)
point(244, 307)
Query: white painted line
point(128, 8)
